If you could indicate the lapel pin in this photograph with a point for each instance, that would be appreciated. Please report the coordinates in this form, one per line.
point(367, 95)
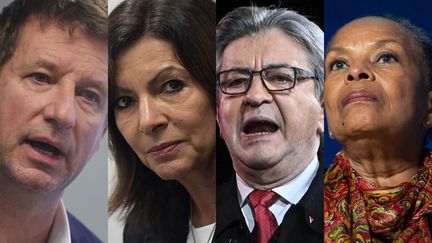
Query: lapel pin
point(311, 220)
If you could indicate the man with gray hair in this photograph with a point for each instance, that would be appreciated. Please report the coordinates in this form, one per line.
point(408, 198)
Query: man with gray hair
point(269, 109)
point(53, 85)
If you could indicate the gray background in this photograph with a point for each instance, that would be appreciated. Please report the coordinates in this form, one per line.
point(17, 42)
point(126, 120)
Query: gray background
point(115, 225)
point(86, 197)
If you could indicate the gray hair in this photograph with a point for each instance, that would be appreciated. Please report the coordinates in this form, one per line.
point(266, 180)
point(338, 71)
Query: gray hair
point(245, 21)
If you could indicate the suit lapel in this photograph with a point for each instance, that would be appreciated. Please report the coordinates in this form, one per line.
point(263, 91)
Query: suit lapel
point(307, 215)
point(229, 215)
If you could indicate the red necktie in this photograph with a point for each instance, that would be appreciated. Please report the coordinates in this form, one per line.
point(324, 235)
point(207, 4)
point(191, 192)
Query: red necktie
point(265, 222)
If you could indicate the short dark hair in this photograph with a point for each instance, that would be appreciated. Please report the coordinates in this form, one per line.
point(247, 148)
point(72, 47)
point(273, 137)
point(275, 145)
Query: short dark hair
point(89, 15)
point(189, 25)
point(245, 21)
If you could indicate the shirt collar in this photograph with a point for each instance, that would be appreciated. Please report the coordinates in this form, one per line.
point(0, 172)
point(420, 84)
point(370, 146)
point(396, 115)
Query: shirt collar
point(291, 191)
point(60, 232)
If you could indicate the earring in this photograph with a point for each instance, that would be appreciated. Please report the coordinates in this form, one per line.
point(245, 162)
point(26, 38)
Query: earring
point(331, 135)
point(428, 124)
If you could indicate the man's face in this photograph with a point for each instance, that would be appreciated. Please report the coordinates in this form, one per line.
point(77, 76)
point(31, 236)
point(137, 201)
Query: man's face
point(54, 106)
point(262, 128)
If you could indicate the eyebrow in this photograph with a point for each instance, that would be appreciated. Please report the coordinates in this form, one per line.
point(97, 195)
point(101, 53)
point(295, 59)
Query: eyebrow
point(41, 62)
point(98, 84)
point(378, 43)
point(52, 67)
point(153, 80)
point(273, 65)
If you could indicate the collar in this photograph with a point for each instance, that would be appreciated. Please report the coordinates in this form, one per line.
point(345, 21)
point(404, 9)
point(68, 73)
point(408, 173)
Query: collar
point(291, 192)
point(230, 217)
point(60, 232)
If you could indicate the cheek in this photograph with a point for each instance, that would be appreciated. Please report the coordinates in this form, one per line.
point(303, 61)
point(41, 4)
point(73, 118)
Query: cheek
point(301, 111)
point(126, 126)
point(228, 112)
point(331, 95)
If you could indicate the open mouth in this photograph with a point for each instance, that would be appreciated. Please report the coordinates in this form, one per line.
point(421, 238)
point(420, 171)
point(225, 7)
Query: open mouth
point(260, 127)
point(45, 148)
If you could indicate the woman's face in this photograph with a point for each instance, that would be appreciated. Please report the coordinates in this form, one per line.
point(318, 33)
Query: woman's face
point(164, 115)
point(375, 81)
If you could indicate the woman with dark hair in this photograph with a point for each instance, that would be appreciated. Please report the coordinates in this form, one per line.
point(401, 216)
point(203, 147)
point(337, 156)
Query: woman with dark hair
point(162, 118)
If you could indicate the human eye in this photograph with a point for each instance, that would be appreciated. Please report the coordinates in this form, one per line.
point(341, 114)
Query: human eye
point(386, 57)
point(338, 65)
point(123, 102)
point(172, 86)
point(40, 78)
point(91, 96)
point(284, 75)
point(233, 79)
point(236, 82)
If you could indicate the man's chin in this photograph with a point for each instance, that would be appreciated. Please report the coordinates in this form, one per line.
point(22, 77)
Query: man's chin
point(260, 160)
point(37, 181)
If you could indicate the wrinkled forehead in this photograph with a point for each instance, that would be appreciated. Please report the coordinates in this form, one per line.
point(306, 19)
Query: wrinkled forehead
point(370, 29)
point(261, 49)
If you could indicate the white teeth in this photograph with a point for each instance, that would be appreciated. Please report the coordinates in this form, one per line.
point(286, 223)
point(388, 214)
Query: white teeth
point(257, 133)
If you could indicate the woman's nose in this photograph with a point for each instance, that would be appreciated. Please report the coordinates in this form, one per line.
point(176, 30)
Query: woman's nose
point(359, 72)
point(151, 118)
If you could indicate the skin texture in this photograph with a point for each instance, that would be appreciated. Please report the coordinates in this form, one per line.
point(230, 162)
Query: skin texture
point(270, 160)
point(54, 88)
point(158, 102)
point(383, 132)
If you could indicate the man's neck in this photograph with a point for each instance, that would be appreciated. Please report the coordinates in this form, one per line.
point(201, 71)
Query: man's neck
point(25, 216)
point(275, 176)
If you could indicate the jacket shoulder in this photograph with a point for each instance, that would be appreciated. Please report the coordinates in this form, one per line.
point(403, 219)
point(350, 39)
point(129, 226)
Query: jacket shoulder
point(79, 232)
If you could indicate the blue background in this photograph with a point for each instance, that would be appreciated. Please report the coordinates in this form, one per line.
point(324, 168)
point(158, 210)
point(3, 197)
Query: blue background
point(337, 13)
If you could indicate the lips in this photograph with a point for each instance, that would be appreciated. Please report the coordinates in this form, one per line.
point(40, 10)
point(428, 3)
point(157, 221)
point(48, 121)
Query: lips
point(357, 96)
point(47, 146)
point(163, 148)
point(259, 125)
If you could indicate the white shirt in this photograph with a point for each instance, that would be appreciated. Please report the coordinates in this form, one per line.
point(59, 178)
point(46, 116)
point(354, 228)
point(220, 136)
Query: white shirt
point(60, 232)
point(289, 193)
point(202, 234)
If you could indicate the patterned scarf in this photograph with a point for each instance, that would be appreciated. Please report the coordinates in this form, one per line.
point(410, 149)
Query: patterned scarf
point(356, 211)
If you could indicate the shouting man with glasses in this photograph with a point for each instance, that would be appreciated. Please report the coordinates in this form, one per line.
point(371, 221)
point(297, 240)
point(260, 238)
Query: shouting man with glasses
point(270, 78)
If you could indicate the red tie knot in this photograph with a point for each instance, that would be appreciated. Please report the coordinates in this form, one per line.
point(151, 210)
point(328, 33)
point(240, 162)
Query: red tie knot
point(263, 198)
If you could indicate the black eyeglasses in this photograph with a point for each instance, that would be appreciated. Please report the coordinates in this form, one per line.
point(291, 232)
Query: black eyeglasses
point(278, 78)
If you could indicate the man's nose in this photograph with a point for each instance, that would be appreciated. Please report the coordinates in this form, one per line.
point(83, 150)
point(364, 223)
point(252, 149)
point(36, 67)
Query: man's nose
point(151, 117)
point(257, 93)
point(61, 107)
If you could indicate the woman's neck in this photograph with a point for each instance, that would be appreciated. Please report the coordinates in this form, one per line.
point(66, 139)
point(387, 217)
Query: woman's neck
point(384, 164)
point(201, 186)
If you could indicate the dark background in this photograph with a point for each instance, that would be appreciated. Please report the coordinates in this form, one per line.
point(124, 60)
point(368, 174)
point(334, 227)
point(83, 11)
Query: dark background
point(338, 12)
point(313, 9)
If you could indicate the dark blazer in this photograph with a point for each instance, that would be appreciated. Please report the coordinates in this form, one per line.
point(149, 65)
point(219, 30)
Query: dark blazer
point(136, 236)
point(295, 227)
point(80, 233)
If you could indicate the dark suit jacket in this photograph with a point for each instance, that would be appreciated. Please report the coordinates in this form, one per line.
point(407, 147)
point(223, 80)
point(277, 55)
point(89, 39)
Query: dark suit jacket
point(80, 233)
point(135, 236)
point(295, 227)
